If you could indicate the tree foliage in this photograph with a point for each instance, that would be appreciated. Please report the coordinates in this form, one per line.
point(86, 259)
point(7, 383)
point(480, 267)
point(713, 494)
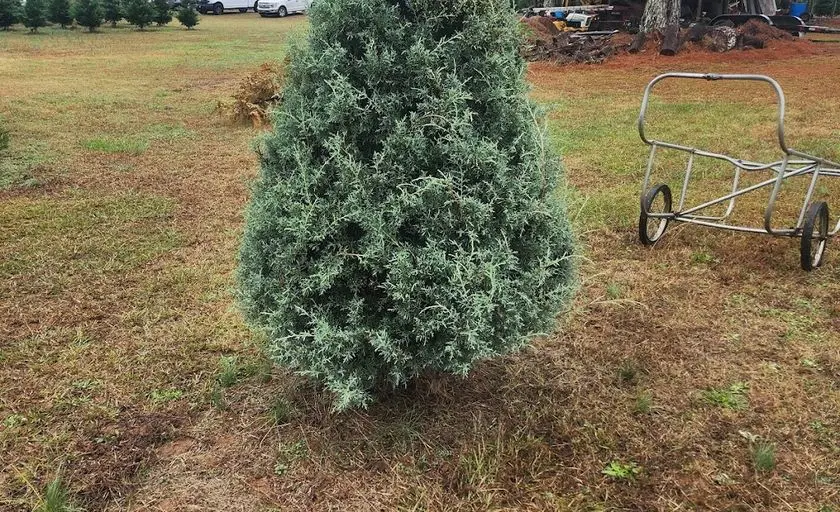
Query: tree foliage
point(406, 217)
point(10, 13)
point(88, 14)
point(58, 11)
point(162, 12)
point(112, 11)
point(187, 15)
point(140, 13)
point(34, 15)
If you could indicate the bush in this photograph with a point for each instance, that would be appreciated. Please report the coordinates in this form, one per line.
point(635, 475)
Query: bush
point(34, 15)
point(88, 13)
point(188, 16)
point(5, 138)
point(10, 13)
point(112, 11)
point(162, 15)
point(406, 217)
point(58, 11)
point(138, 12)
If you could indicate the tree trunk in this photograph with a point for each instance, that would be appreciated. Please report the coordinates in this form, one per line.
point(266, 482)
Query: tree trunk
point(659, 14)
point(671, 40)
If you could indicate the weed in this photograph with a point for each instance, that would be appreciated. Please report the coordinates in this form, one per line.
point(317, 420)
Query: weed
point(14, 420)
point(621, 471)
point(56, 498)
point(628, 372)
point(702, 257)
point(614, 291)
point(763, 456)
point(643, 403)
point(230, 371)
point(282, 410)
point(4, 139)
point(217, 398)
point(162, 396)
point(733, 398)
point(288, 455)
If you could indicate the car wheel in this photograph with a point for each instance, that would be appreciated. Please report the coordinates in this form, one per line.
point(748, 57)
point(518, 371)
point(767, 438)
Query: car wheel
point(255, 6)
point(282, 11)
point(218, 9)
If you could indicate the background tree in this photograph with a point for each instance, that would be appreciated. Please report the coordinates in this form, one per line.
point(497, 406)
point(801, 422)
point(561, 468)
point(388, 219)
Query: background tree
point(34, 15)
point(10, 13)
point(187, 15)
point(112, 11)
point(659, 14)
point(88, 14)
point(162, 12)
point(58, 11)
point(406, 218)
point(138, 12)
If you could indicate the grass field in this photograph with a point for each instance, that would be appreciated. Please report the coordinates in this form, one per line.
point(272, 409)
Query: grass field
point(703, 374)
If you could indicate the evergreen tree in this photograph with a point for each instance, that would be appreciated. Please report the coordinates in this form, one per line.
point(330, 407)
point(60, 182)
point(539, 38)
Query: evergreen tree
point(187, 15)
point(138, 12)
point(406, 217)
point(10, 11)
point(34, 15)
point(162, 14)
point(58, 11)
point(112, 11)
point(88, 13)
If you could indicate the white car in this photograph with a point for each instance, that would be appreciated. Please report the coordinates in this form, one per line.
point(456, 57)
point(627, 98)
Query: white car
point(281, 7)
point(220, 6)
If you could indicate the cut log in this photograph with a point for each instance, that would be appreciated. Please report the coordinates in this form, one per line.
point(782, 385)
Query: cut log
point(720, 39)
point(671, 40)
point(638, 43)
point(697, 32)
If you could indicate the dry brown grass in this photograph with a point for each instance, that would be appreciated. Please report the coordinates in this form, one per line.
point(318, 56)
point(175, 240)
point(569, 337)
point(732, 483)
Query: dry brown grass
point(115, 291)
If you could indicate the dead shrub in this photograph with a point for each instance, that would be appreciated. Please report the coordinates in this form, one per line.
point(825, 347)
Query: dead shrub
point(256, 95)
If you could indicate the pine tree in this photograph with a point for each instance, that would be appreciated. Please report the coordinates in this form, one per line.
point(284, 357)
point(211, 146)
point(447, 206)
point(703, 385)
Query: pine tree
point(88, 13)
point(34, 15)
point(58, 11)
point(187, 15)
point(162, 14)
point(138, 12)
point(10, 11)
point(406, 217)
point(112, 11)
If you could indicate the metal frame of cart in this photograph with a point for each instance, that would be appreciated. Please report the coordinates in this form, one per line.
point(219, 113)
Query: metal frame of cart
point(812, 226)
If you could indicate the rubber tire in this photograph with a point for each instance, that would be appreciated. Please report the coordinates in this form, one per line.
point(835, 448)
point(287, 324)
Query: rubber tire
point(646, 202)
point(218, 9)
point(255, 5)
point(243, 10)
point(282, 12)
point(815, 218)
point(725, 23)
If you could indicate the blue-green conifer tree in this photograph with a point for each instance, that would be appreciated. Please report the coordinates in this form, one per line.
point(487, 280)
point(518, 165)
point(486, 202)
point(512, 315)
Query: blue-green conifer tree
point(408, 216)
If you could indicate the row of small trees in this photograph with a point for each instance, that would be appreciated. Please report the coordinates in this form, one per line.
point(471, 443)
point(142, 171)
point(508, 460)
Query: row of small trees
point(92, 13)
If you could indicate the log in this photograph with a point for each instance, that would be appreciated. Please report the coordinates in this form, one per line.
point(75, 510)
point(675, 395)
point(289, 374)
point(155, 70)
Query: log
point(697, 32)
point(638, 42)
point(671, 40)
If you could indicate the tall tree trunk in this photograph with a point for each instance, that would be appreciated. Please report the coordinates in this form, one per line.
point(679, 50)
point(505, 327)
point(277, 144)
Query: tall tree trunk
point(659, 14)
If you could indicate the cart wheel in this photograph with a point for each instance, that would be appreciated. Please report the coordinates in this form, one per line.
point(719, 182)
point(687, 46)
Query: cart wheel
point(656, 200)
point(814, 236)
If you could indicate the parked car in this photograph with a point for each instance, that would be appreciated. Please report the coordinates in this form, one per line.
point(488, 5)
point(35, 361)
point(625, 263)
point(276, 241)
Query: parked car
point(220, 6)
point(281, 7)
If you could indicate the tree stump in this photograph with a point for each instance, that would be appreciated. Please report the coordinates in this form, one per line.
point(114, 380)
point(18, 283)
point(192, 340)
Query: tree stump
point(671, 40)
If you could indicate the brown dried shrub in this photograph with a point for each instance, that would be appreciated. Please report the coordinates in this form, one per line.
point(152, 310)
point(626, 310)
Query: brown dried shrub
point(256, 95)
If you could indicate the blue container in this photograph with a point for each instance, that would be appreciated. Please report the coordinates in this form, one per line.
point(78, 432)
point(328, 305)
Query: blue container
point(798, 9)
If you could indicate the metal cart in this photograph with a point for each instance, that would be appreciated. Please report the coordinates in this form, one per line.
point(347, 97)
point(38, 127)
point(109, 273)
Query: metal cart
point(812, 226)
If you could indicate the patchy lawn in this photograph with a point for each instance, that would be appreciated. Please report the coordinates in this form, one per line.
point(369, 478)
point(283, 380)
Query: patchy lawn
point(702, 374)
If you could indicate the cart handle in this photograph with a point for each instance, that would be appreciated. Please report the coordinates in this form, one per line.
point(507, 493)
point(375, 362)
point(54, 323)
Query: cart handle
point(712, 77)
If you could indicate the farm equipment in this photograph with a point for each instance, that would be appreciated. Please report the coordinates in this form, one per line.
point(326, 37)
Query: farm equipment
point(812, 226)
point(791, 24)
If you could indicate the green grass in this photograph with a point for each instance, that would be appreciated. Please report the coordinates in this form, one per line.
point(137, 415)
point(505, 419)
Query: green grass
point(56, 498)
point(126, 145)
point(733, 397)
point(763, 456)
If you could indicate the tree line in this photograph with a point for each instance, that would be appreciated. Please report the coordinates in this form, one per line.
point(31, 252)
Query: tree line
point(91, 14)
